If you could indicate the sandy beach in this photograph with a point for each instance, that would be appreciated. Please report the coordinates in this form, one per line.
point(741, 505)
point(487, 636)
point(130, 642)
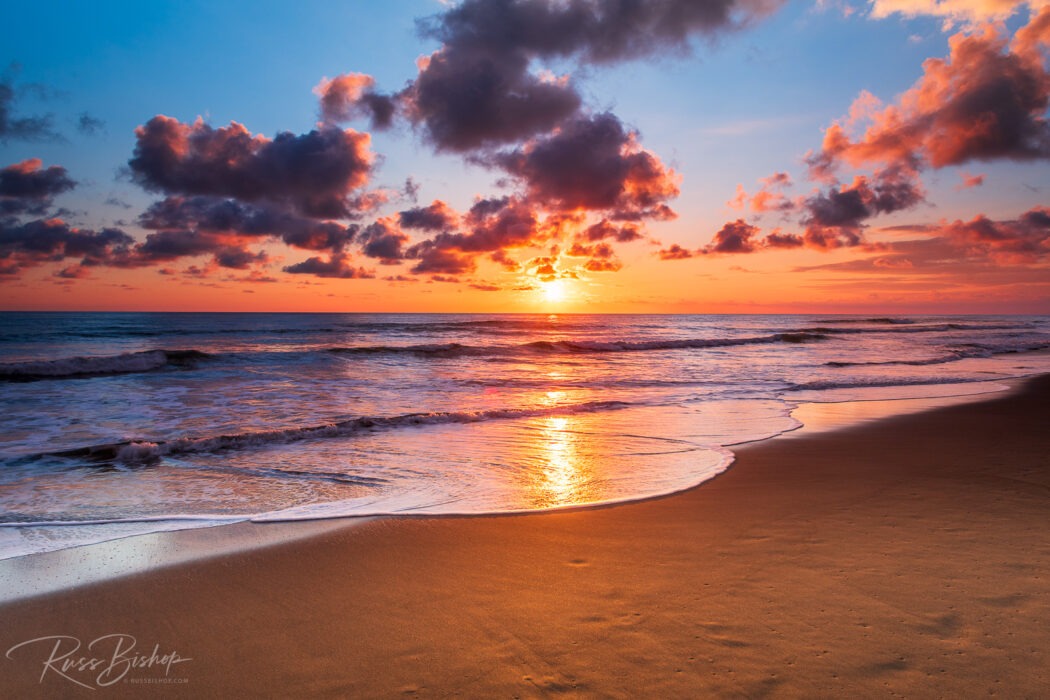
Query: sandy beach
point(906, 557)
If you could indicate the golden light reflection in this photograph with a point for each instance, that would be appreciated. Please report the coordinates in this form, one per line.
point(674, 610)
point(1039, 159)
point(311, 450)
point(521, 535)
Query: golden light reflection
point(552, 398)
point(562, 475)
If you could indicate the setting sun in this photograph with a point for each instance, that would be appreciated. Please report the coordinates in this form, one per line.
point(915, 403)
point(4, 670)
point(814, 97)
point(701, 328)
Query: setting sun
point(554, 290)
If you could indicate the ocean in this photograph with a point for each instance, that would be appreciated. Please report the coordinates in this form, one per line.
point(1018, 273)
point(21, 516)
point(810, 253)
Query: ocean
point(116, 424)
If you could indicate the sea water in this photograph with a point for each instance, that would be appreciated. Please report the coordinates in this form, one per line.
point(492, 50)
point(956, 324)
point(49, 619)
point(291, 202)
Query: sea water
point(114, 424)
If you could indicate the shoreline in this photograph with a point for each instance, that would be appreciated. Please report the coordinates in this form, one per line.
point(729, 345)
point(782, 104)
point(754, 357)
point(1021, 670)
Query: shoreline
point(903, 555)
point(45, 573)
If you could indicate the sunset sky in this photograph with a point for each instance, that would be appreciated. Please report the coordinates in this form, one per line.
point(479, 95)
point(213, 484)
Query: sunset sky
point(728, 156)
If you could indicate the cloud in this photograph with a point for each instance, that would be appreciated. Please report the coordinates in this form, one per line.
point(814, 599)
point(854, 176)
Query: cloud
point(351, 96)
point(675, 252)
point(384, 240)
point(951, 10)
point(89, 125)
point(1008, 250)
point(987, 101)
point(24, 245)
point(592, 163)
point(478, 90)
point(597, 32)
point(229, 189)
point(735, 237)
point(969, 181)
point(27, 188)
point(165, 246)
point(72, 272)
point(14, 128)
point(312, 173)
point(228, 216)
point(237, 258)
point(605, 230)
point(835, 217)
point(468, 99)
point(769, 198)
point(491, 225)
point(1023, 240)
point(438, 216)
point(777, 239)
point(338, 266)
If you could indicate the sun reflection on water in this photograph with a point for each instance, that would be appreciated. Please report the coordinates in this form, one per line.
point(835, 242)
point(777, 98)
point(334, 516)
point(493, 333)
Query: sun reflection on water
point(562, 475)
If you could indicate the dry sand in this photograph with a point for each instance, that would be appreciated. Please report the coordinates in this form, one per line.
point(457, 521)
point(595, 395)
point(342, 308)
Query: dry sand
point(906, 557)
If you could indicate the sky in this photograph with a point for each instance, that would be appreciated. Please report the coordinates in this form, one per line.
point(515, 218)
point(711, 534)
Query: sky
point(666, 156)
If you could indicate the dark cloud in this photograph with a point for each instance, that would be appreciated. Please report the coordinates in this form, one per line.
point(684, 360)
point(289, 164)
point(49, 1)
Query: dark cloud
point(338, 266)
point(383, 240)
point(218, 215)
point(28, 188)
point(434, 257)
point(33, 243)
point(598, 31)
point(835, 218)
point(466, 99)
point(15, 128)
point(165, 246)
point(603, 230)
point(312, 173)
point(735, 237)
point(438, 216)
point(777, 239)
point(410, 190)
point(73, 272)
point(236, 258)
point(89, 125)
point(352, 96)
point(491, 225)
point(591, 163)
point(115, 202)
point(674, 252)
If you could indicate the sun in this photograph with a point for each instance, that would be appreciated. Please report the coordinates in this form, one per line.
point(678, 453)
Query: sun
point(554, 290)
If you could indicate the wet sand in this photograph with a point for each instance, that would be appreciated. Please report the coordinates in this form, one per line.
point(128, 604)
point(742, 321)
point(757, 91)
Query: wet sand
point(909, 556)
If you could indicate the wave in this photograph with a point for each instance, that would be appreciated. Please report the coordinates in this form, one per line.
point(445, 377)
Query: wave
point(572, 347)
point(478, 326)
point(974, 350)
point(906, 328)
point(143, 451)
point(873, 321)
point(911, 363)
point(76, 367)
point(877, 383)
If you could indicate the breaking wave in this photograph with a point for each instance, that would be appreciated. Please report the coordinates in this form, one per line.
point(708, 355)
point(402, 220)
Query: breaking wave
point(144, 451)
point(126, 363)
point(574, 346)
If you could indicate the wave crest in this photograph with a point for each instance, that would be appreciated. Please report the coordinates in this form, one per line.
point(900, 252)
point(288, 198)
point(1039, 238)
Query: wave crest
point(144, 451)
point(125, 363)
